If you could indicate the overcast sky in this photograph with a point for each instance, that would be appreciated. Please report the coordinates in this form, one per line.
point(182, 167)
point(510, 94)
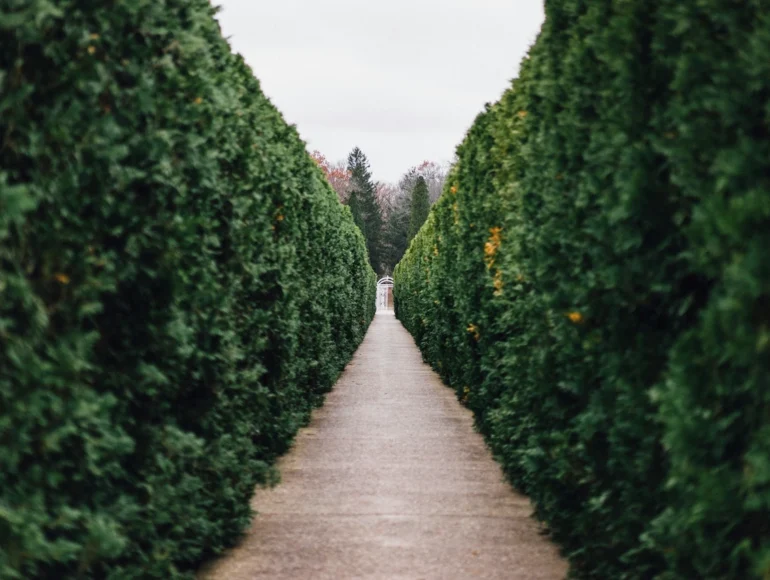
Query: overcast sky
point(402, 79)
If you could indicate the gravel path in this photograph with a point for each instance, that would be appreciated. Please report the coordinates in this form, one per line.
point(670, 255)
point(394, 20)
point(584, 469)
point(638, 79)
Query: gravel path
point(390, 481)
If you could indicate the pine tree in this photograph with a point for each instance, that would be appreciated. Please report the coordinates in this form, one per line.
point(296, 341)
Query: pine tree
point(420, 207)
point(354, 203)
point(363, 205)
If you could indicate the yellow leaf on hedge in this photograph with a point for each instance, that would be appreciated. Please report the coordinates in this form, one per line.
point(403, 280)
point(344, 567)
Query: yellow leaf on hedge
point(575, 317)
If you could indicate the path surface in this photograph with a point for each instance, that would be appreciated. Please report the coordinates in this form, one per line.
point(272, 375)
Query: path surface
point(388, 482)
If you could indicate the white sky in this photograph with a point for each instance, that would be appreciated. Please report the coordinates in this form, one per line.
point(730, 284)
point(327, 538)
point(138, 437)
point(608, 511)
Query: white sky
point(402, 79)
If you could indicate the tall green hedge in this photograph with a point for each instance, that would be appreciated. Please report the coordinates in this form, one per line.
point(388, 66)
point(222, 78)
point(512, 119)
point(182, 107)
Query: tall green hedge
point(178, 288)
point(594, 283)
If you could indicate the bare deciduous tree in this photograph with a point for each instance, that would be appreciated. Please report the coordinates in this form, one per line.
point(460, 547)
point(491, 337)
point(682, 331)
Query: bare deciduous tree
point(434, 175)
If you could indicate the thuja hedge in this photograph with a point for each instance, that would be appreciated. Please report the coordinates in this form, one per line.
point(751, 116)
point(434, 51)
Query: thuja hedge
point(178, 287)
point(594, 283)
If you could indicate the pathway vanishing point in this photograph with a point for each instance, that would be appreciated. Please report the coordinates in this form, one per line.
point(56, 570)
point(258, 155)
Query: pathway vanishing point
point(390, 482)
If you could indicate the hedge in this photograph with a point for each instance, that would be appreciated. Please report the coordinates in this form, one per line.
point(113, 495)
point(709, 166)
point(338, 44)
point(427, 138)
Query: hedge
point(179, 286)
point(594, 283)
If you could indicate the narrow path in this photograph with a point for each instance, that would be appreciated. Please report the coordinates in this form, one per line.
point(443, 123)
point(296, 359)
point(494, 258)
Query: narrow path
point(390, 481)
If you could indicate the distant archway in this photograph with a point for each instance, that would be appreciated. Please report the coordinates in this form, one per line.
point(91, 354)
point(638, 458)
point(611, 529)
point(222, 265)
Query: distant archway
point(385, 293)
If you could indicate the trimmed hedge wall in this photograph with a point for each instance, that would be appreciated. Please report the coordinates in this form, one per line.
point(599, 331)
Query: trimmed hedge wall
point(594, 283)
point(179, 286)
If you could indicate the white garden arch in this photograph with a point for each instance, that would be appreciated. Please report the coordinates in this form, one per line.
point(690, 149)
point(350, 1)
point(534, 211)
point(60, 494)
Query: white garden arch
point(385, 293)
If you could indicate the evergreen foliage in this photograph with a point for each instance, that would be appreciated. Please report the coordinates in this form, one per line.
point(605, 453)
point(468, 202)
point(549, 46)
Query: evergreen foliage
point(178, 287)
point(364, 207)
point(419, 208)
point(594, 284)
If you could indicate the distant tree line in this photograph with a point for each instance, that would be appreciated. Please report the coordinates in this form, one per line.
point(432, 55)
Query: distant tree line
point(389, 215)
